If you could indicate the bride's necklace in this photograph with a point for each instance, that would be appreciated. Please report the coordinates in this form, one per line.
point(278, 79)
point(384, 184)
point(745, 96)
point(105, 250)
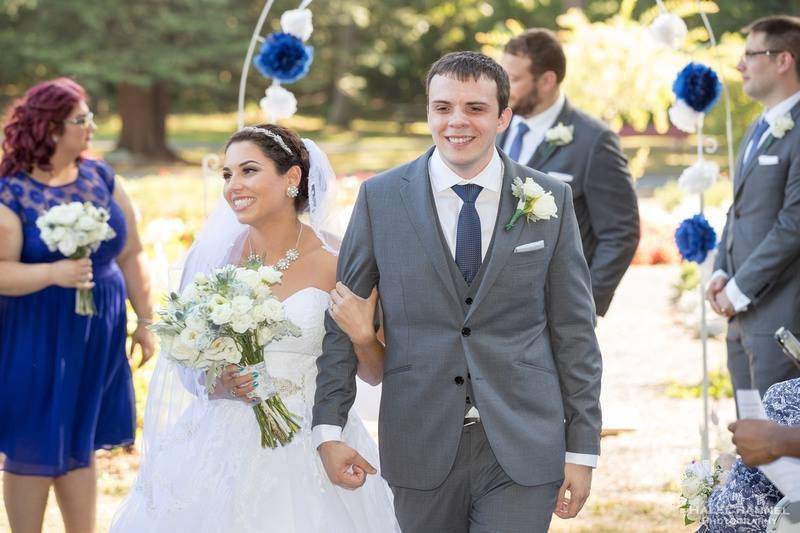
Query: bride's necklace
point(290, 256)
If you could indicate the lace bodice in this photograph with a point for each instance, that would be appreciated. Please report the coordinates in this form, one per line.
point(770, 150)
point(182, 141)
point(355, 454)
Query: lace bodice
point(291, 361)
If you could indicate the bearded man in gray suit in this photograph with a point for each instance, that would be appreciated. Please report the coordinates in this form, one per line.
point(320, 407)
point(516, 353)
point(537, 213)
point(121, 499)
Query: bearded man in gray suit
point(490, 406)
point(756, 282)
point(549, 134)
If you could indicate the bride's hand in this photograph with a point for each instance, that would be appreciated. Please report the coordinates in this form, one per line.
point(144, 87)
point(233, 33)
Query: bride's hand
point(354, 314)
point(233, 386)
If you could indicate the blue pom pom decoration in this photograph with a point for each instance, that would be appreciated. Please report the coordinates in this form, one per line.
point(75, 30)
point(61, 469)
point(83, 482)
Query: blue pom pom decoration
point(284, 57)
point(695, 238)
point(698, 86)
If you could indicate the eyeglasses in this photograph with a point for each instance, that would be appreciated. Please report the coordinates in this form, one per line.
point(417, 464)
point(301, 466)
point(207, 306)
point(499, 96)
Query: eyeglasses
point(83, 121)
point(748, 54)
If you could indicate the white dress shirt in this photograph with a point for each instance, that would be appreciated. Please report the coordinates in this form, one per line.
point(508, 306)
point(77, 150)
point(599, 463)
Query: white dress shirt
point(739, 299)
point(448, 206)
point(538, 124)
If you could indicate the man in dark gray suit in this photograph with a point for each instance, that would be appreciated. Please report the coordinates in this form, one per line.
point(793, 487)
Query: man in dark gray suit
point(549, 134)
point(490, 404)
point(757, 279)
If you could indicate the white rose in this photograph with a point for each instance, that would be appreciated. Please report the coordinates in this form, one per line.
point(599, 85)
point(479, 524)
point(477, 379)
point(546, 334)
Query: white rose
point(183, 352)
point(223, 349)
point(221, 314)
point(65, 215)
point(86, 223)
point(782, 124)
point(531, 189)
point(248, 277)
point(269, 275)
point(67, 245)
point(195, 322)
point(559, 134)
point(298, 23)
point(242, 323)
point(690, 486)
point(241, 305)
point(545, 207)
point(189, 293)
point(273, 310)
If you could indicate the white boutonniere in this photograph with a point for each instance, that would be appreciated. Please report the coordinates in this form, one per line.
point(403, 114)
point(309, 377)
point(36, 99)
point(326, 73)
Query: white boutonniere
point(559, 135)
point(781, 125)
point(534, 202)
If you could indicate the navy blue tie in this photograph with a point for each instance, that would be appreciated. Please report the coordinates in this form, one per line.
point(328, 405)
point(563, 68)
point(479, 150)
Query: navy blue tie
point(758, 132)
point(516, 146)
point(468, 232)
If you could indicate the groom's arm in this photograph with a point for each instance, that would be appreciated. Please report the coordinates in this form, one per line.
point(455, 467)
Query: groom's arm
point(571, 319)
point(336, 383)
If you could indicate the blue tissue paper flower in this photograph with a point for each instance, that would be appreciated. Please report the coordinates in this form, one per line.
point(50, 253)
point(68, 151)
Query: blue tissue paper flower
point(284, 57)
point(698, 86)
point(695, 238)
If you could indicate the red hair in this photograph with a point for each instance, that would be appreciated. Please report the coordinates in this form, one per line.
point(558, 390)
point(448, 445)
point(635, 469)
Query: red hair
point(31, 122)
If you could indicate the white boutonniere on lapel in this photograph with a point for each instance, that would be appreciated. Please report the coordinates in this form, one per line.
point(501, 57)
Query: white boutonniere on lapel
point(534, 202)
point(559, 135)
point(781, 125)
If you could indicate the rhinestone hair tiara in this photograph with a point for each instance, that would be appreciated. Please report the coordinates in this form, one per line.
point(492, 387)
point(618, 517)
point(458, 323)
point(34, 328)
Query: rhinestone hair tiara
point(272, 135)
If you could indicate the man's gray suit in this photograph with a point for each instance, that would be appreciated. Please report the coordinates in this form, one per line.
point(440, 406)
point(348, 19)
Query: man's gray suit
point(760, 248)
point(522, 335)
point(603, 194)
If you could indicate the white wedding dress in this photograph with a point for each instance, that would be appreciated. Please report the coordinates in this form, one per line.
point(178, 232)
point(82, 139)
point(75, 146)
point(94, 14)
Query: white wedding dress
point(209, 474)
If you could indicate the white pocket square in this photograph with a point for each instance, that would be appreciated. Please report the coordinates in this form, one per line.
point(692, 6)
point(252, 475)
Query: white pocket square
point(530, 247)
point(768, 160)
point(561, 176)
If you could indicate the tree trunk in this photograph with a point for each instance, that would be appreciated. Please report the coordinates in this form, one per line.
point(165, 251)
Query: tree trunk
point(143, 111)
point(341, 110)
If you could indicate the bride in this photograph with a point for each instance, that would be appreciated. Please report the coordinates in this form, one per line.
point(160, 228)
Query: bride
point(203, 468)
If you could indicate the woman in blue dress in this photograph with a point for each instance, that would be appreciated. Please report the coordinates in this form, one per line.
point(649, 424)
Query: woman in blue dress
point(65, 382)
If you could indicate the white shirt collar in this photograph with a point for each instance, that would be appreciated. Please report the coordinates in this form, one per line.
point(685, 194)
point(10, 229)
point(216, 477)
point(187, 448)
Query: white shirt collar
point(443, 177)
point(781, 108)
point(543, 120)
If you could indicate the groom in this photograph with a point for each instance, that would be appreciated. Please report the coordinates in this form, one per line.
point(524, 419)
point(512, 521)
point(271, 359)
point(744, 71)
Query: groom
point(492, 369)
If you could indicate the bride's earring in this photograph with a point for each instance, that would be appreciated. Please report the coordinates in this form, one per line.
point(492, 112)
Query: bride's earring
point(292, 191)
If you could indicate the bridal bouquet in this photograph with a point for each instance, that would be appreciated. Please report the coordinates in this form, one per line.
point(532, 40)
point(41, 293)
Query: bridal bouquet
point(698, 482)
point(76, 230)
point(228, 318)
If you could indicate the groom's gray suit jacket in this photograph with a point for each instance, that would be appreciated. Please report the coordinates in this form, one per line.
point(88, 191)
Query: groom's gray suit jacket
point(523, 332)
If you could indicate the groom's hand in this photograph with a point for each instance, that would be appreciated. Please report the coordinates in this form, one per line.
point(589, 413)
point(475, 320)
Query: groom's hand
point(344, 466)
point(578, 481)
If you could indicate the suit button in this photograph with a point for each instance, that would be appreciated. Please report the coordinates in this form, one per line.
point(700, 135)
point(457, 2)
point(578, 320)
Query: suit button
point(736, 214)
point(466, 332)
point(458, 380)
point(468, 301)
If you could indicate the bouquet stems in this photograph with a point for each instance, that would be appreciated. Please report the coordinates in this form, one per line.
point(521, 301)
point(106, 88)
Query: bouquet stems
point(84, 299)
point(278, 425)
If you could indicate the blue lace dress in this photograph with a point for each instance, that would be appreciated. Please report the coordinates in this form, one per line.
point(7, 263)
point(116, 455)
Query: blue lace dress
point(744, 503)
point(65, 383)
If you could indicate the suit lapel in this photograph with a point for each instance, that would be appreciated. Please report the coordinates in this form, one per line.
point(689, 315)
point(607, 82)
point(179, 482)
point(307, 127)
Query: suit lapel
point(503, 241)
point(417, 198)
point(545, 150)
point(766, 145)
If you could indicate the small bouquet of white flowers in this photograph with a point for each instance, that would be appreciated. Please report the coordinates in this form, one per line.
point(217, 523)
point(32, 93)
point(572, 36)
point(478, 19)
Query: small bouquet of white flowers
point(698, 482)
point(76, 230)
point(228, 318)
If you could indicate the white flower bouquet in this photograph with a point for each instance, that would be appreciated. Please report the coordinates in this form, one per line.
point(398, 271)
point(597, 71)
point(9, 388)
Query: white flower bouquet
point(698, 482)
point(228, 318)
point(76, 230)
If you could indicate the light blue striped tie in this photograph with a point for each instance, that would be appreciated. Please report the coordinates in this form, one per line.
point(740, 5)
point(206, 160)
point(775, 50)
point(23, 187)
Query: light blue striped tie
point(468, 232)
